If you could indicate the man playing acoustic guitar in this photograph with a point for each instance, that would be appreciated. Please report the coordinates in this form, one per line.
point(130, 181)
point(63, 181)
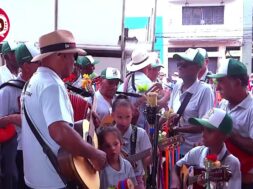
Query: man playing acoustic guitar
point(217, 125)
point(46, 103)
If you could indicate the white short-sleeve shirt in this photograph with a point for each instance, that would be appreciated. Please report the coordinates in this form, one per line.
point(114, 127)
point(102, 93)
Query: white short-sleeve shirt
point(110, 177)
point(5, 74)
point(46, 101)
point(196, 156)
point(200, 103)
point(142, 143)
point(10, 104)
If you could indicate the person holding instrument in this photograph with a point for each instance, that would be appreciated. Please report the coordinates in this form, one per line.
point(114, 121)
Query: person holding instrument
point(46, 101)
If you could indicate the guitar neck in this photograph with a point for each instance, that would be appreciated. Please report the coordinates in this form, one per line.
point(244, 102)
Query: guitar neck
point(138, 156)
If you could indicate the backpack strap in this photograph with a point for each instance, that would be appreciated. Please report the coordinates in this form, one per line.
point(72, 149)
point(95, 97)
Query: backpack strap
point(13, 83)
point(133, 140)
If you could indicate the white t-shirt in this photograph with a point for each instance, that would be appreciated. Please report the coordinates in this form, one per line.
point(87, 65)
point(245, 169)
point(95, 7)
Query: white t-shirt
point(196, 156)
point(110, 177)
point(5, 74)
point(200, 103)
point(102, 107)
point(142, 143)
point(46, 101)
point(10, 104)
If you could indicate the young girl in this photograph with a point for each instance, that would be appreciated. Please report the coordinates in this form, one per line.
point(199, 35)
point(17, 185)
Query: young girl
point(135, 139)
point(118, 169)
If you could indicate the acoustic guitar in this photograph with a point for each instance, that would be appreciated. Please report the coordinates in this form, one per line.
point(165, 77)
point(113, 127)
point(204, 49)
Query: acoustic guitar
point(189, 176)
point(77, 168)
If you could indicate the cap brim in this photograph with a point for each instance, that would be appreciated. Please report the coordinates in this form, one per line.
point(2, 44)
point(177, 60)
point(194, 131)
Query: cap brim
point(113, 79)
point(181, 57)
point(95, 62)
point(44, 55)
point(216, 75)
point(201, 122)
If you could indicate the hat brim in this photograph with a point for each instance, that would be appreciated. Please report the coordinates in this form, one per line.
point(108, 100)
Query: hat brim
point(44, 55)
point(113, 79)
point(216, 75)
point(201, 122)
point(131, 67)
point(95, 62)
point(182, 57)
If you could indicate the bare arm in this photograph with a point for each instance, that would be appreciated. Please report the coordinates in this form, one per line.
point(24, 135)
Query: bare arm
point(72, 142)
point(188, 129)
point(10, 119)
point(245, 143)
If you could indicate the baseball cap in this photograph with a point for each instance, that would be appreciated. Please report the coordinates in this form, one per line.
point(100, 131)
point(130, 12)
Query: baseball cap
point(215, 119)
point(25, 52)
point(192, 56)
point(157, 63)
point(230, 67)
point(110, 73)
point(203, 52)
point(86, 60)
point(8, 47)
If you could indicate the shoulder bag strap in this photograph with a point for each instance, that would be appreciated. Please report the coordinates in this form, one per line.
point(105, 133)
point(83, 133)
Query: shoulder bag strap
point(133, 140)
point(46, 149)
point(13, 83)
point(182, 107)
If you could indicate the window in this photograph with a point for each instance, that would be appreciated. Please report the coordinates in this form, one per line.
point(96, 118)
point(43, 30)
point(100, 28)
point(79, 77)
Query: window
point(207, 15)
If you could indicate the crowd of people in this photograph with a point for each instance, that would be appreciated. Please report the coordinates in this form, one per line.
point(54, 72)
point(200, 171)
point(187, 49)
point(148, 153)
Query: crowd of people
point(39, 117)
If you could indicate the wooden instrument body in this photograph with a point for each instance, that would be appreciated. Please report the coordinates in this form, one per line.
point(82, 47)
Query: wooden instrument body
point(77, 168)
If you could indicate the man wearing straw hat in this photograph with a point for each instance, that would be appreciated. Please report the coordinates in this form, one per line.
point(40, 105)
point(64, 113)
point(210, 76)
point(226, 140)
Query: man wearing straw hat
point(46, 102)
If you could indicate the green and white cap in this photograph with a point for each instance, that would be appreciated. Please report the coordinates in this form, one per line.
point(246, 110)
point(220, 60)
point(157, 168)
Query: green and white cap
point(203, 52)
point(86, 60)
point(215, 119)
point(8, 47)
point(25, 52)
point(192, 56)
point(230, 67)
point(111, 73)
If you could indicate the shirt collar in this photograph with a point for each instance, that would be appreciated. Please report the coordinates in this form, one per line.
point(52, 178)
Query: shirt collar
point(192, 89)
point(246, 103)
point(221, 153)
point(128, 132)
point(48, 70)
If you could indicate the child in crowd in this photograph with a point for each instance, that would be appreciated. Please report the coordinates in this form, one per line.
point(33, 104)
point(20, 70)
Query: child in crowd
point(217, 125)
point(118, 169)
point(135, 139)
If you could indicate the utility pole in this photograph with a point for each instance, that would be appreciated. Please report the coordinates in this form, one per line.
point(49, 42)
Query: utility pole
point(154, 26)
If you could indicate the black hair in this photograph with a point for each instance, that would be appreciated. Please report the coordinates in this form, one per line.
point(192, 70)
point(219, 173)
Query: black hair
point(103, 131)
point(121, 100)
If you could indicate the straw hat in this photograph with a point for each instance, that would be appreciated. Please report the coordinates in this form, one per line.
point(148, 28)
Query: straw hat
point(140, 59)
point(59, 41)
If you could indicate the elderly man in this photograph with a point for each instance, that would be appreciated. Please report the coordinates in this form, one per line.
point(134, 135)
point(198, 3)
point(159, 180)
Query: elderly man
point(199, 93)
point(10, 69)
point(103, 98)
point(53, 118)
point(232, 81)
